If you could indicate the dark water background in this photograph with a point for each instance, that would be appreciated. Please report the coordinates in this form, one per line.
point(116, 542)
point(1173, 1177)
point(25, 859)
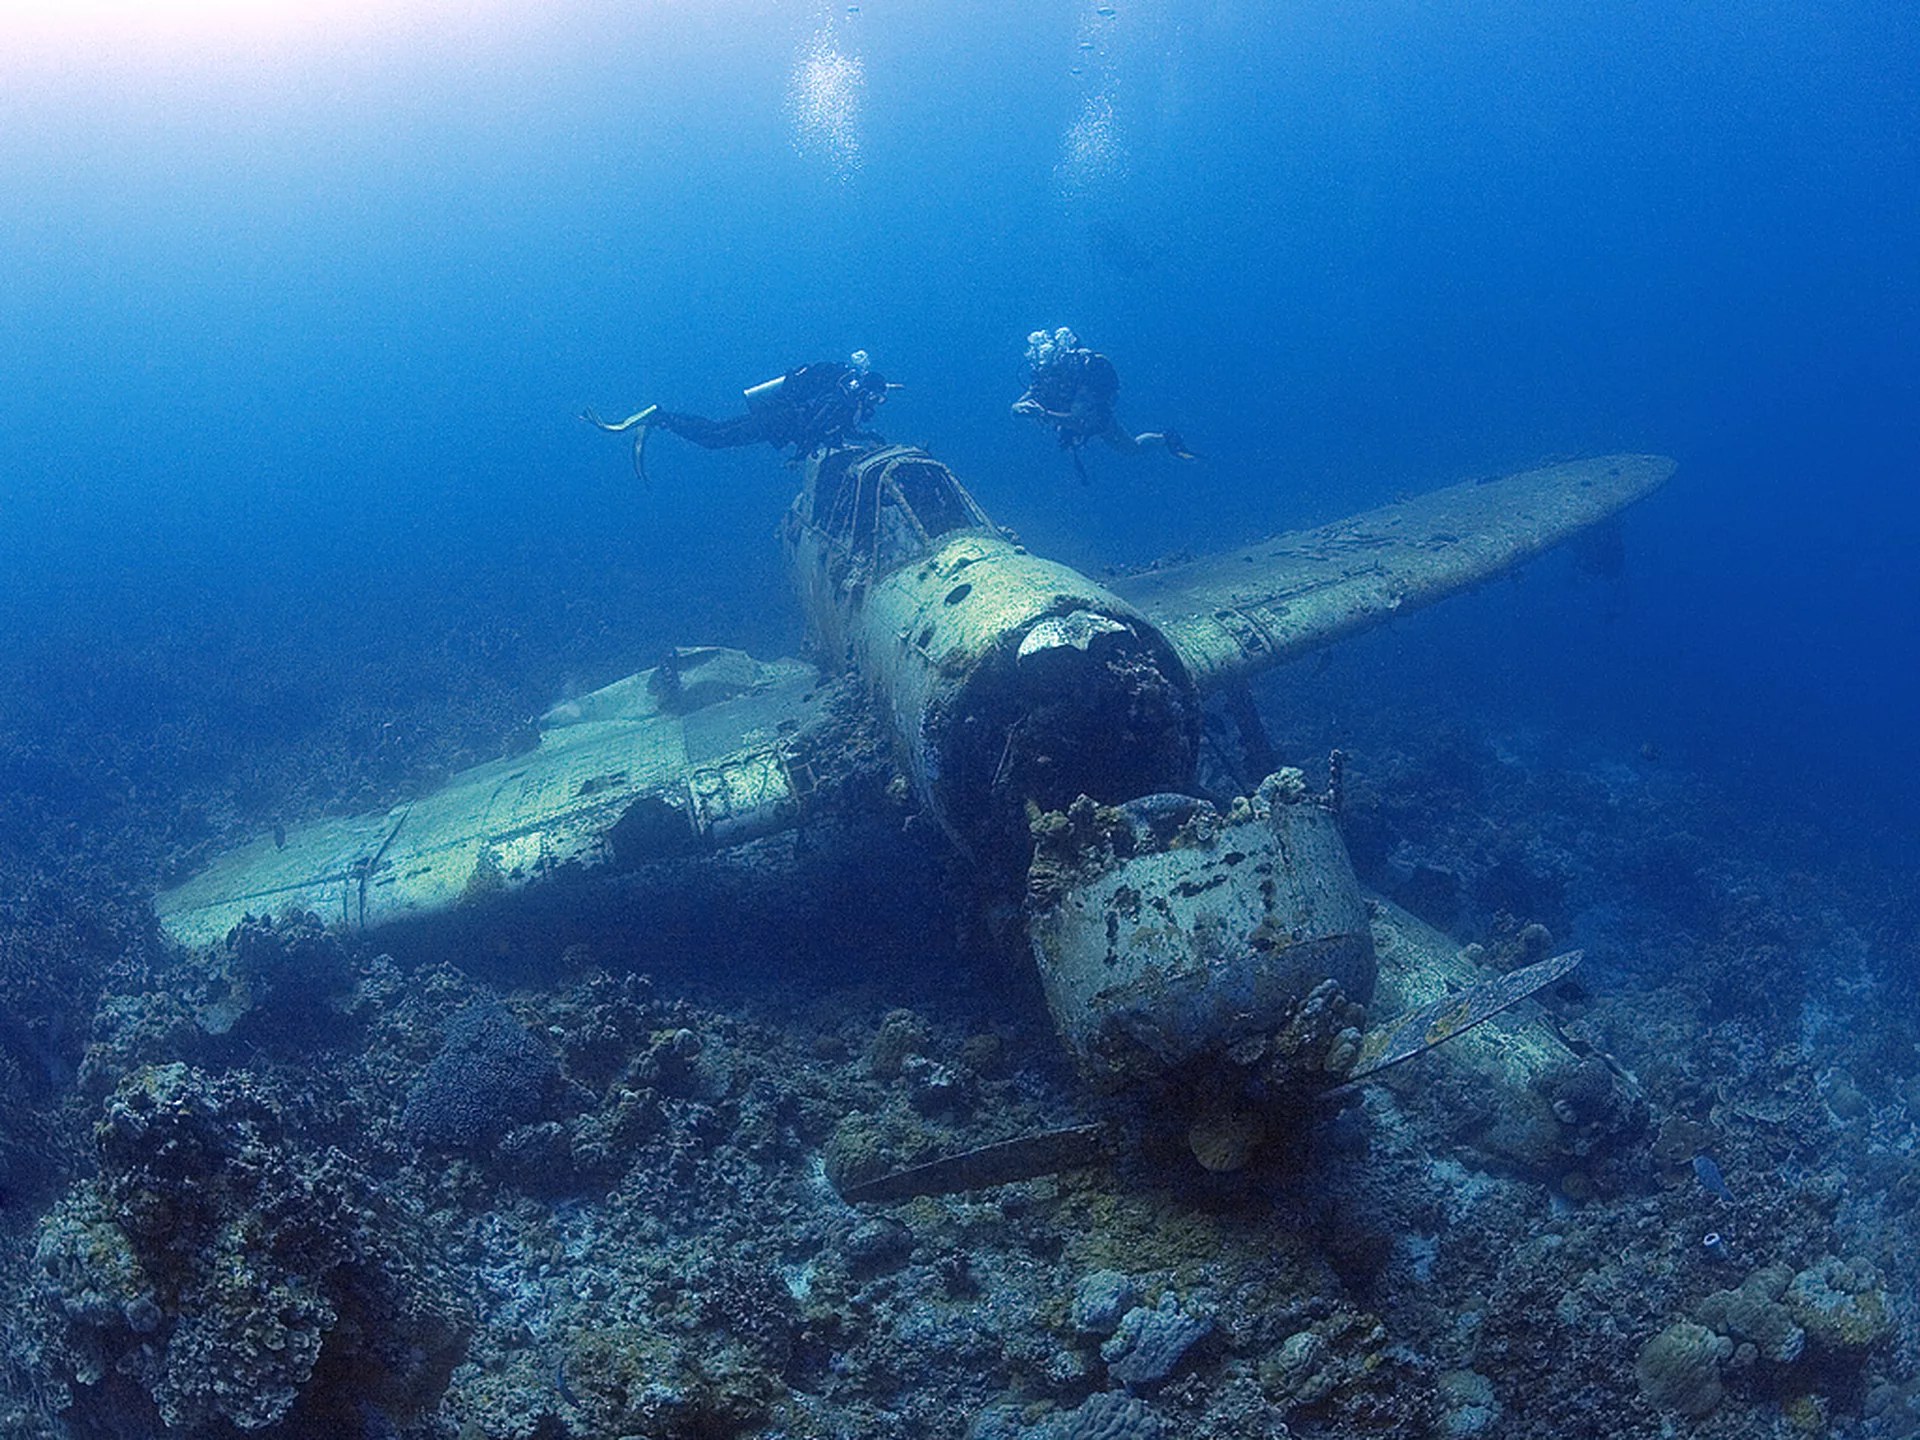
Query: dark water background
point(292, 342)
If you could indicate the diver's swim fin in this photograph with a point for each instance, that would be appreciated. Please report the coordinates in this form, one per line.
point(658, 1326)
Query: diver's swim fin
point(638, 418)
point(1177, 447)
point(640, 453)
point(614, 427)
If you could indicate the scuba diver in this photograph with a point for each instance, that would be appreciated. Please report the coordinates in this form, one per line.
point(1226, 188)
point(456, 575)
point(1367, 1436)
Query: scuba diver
point(1072, 389)
point(807, 408)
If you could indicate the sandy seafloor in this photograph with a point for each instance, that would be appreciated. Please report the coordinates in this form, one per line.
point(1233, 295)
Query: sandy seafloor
point(291, 1215)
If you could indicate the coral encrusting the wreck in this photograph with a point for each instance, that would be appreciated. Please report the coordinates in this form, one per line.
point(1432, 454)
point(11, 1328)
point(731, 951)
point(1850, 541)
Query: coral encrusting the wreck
point(216, 1273)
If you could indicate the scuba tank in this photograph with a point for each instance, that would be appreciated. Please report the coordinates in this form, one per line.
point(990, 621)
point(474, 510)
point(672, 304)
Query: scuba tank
point(765, 397)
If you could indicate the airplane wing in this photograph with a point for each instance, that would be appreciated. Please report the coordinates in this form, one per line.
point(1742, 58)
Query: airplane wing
point(707, 750)
point(1235, 614)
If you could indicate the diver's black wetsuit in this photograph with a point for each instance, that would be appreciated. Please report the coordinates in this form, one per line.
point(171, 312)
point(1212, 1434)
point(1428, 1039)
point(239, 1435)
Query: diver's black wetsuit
point(1074, 391)
point(1079, 389)
point(748, 429)
point(808, 408)
point(814, 405)
point(1077, 392)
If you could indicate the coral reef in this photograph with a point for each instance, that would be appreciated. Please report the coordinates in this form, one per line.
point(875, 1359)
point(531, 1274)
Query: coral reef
point(1753, 1314)
point(279, 980)
point(1148, 1343)
point(1841, 1304)
point(216, 1272)
point(1100, 1299)
point(1110, 1415)
point(514, 1188)
point(489, 1076)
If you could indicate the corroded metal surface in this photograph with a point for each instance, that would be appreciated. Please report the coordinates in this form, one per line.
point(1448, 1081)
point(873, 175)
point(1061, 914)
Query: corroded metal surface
point(1449, 1016)
point(1173, 932)
point(1233, 615)
point(1421, 964)
point(1024, 1157)
point(695, 754)
point(1009, 678)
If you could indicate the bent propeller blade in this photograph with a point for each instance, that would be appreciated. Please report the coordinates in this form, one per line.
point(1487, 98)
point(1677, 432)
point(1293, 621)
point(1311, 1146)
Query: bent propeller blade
point(1451, 1016)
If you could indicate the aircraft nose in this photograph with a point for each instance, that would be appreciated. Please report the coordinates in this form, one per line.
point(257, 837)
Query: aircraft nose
point(1064, 643)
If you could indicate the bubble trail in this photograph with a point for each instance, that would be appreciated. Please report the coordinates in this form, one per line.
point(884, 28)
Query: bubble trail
point(824, 102)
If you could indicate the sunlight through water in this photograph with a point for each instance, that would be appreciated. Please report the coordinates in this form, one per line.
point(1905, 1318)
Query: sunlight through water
point(78, 37)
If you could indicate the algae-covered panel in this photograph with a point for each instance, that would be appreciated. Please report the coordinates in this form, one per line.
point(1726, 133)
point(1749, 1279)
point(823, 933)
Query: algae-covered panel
point(507, 823)
point(486, 829)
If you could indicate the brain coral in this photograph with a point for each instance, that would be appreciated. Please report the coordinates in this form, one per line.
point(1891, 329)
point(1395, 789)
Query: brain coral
point(1111, 1415)
point(1679, 1369)
point(1755, 1312)
point(1148, 1344)
point(1108, 1416)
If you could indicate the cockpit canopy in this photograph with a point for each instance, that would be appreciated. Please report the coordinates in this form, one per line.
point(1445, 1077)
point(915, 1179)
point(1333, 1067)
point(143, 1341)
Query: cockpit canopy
point(881, 509)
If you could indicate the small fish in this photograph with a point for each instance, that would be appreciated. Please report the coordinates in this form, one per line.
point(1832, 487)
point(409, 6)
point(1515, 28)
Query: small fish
point(1710, 1178)
point(1105, 12)
point(853, 9)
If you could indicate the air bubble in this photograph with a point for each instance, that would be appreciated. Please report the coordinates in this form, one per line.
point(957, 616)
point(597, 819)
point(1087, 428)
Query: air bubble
point(824, 101)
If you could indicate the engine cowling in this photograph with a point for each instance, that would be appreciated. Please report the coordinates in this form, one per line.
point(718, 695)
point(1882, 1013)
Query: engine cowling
point(1009, 679)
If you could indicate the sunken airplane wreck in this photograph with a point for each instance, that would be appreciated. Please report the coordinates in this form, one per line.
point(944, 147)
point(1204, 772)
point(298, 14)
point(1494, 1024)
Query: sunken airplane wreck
point(1051, 725)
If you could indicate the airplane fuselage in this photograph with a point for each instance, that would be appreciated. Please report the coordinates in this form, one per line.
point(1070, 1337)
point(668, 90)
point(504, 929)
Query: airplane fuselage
point(1008, 680)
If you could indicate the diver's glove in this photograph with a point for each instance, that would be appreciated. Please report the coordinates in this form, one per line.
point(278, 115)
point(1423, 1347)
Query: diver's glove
point(639, 418)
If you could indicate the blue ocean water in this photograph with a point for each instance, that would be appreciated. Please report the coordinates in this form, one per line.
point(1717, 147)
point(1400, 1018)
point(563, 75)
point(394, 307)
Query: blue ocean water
point(311, 317)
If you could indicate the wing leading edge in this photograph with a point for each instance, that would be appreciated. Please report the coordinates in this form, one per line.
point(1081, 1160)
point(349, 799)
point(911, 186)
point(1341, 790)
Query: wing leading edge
point(1235, 614)
point(708, 750)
